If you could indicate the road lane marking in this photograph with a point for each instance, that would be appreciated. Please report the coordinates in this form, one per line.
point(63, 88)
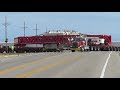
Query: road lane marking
point(104, 68)
point(46, 67)
point(9, 58)
point(26, 64)
point(6, 57)
point(18, 56)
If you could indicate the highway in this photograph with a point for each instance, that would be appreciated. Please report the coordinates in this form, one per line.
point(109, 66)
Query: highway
point(94, 64)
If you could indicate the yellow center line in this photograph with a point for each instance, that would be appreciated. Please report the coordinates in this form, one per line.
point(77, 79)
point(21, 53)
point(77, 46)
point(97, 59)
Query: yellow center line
point(46, 67)
point(26, 64)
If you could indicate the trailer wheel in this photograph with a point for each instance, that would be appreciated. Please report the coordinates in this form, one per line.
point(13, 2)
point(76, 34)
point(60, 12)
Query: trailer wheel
point(110, 49)
point(73, 50)
point(96, 48)
point(113, 49)
point(116, 48)
point(92, 48)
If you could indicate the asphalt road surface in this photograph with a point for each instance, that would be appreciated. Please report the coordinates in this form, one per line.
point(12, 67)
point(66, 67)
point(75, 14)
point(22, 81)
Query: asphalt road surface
point(95, 64)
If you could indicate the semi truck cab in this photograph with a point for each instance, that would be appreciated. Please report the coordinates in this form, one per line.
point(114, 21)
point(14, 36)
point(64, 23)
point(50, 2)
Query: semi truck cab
point(78, 44)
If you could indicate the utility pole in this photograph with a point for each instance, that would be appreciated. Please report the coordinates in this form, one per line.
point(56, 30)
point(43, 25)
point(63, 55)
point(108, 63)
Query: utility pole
point(36, 32)
point(36, 29)
point(6, 39)
point(24, 28)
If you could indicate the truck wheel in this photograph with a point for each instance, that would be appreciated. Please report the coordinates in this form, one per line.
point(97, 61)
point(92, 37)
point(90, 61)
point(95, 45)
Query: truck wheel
point(110, 49)
point(91, 48)
point(101, 49)
point(73, 50)
point(113, 49)
point(117, 49)
point(98, 48)
point(95, 48)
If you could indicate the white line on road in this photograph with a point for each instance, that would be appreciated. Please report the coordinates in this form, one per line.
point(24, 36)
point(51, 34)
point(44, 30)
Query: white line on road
point(103, 71)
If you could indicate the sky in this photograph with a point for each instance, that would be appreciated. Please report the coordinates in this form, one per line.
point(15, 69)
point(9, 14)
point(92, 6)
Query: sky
point(83, 22)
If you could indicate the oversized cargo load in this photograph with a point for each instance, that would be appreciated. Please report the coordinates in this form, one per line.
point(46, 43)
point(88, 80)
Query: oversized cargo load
point(67, 40)
point(51, 41)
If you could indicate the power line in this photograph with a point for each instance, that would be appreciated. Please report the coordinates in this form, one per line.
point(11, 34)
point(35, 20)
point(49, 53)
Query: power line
point(24, 28)
point(36, 29)
point(6, 38)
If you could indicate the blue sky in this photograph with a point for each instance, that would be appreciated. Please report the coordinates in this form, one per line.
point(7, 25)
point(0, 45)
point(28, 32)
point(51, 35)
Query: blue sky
point(84, 22)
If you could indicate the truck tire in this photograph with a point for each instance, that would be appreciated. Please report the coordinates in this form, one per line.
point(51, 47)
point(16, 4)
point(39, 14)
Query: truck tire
point(91, 49)
point(101, 49)
point(116, 48)
point(110, 48)
point(95, 49)
point(98, 48)
point(73, 50)
point(113, 48)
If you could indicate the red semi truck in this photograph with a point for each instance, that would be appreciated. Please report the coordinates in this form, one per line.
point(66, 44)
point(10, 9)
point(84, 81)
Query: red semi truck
point(93, 43)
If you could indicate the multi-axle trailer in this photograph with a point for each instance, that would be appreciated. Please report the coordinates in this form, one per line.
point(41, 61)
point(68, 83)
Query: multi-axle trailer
point(50, 41)
point(93, 43)
point(59, 41)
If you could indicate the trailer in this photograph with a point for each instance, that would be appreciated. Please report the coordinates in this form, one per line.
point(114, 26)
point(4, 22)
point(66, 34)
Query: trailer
point(93, 43)
point(49, 41)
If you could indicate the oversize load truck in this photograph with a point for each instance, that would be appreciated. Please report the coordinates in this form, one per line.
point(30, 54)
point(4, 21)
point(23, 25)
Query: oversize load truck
point(50, 41)
point(93, 43)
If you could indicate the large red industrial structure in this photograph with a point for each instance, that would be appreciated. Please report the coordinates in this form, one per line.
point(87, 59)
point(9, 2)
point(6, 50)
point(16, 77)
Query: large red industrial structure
point(59, 41)
point(50, 41)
